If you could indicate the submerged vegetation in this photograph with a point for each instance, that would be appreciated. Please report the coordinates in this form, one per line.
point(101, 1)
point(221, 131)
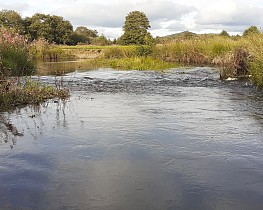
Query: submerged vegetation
point(13, 93)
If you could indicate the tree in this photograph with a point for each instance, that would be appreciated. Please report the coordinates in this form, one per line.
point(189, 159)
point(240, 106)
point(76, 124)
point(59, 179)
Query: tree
point(135, 29)
point(87, 32)
point(52, 28)
point(224, 33)
point(101, 40)
point(251, 30)
point(12, 20)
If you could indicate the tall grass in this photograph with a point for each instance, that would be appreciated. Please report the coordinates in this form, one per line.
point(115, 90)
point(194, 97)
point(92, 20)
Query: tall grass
point(197, 51)
point(42, 50)
point(254, 45)
point(15, 59)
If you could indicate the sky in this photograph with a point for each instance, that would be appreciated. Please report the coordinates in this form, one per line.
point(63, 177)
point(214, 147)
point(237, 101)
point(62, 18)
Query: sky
point(165, 16)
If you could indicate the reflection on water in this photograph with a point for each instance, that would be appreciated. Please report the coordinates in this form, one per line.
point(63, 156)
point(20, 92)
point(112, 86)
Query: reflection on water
point(8, 132)
point(138, 140)
point(63, 67)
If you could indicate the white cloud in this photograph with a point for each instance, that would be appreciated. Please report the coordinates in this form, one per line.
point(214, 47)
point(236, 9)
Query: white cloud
point(230, 13)
point(14, 5)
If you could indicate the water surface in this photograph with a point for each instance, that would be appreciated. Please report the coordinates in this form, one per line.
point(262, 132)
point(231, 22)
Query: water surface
point(179, 139)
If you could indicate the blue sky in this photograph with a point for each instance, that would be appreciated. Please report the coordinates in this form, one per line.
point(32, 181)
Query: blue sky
point(166, 16)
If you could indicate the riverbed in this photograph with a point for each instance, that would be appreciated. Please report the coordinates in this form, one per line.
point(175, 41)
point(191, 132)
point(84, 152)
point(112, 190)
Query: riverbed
point(177, 139)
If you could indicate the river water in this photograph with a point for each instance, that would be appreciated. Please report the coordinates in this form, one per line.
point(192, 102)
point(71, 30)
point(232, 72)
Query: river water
point(179, 139)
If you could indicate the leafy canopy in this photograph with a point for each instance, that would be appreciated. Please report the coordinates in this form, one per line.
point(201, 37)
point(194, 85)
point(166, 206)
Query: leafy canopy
point(50, 27)
point(251, 30)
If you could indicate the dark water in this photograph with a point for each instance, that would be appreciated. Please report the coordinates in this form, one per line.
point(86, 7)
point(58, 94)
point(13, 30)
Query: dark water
point(180, 139)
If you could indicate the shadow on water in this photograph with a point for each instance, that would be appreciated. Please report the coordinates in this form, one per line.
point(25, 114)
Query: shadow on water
point(8, 132)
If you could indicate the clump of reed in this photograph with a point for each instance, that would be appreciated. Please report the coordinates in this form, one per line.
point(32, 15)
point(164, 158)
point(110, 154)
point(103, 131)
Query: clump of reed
point(15, 93)
point(254, 45)
point(15, 59)
point(233, 64)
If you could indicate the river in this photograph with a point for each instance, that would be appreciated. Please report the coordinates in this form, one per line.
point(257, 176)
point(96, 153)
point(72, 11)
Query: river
point(178, 139)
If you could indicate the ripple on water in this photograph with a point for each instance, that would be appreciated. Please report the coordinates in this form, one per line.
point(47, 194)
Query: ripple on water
point(178, 139)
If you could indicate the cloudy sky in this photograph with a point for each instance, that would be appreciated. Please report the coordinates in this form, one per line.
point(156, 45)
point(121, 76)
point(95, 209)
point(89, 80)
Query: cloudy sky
point(166, 16)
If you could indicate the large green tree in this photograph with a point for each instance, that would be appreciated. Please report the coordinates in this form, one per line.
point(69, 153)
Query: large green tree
point(12, 20)
point(50, 27)
point(135, 29)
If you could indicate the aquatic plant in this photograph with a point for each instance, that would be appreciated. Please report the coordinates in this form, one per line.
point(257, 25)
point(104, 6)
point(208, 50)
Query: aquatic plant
point(135, 63)
point(15, 93)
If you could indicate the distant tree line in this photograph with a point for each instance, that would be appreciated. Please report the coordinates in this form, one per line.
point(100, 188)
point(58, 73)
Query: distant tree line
point(55, 29)
point(52, 28)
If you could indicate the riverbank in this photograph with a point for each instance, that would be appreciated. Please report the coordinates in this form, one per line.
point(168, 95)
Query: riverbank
point(239, 57)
